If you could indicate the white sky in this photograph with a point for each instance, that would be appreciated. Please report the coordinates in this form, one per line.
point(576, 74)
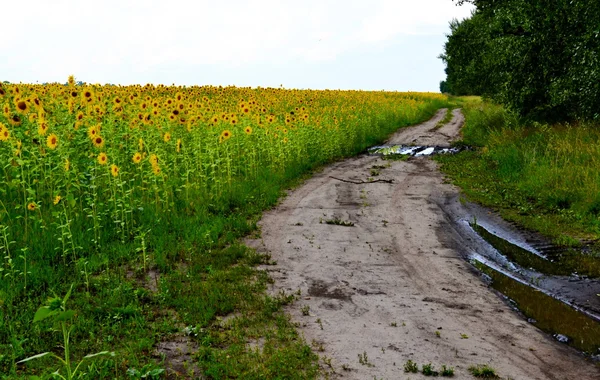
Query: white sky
point(370, 44)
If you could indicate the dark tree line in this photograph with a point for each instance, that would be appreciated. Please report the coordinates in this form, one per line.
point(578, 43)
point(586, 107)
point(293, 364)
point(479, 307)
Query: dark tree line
point(540, 58)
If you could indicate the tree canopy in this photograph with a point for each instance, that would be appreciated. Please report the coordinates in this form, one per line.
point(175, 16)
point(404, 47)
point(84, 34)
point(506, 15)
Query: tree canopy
point(540, 58)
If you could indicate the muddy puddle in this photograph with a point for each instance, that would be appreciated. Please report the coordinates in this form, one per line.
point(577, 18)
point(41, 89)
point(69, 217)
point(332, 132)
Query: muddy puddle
point(409, 150)
point(547, 287)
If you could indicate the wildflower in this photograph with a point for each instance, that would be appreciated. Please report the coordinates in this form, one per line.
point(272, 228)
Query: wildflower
point(102, 158)
point(153, 159)
point(42, 128)
point(167, 137)
point(248, 130)
point(67, 165)
point(22, 106)
point(92, 132)
point(31, 206)
point(4, 132)
point(178, 145)
point(156, 169)
point(57, 199)
point(52, 141)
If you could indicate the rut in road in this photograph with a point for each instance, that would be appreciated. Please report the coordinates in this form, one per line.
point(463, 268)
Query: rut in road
point(386, 282)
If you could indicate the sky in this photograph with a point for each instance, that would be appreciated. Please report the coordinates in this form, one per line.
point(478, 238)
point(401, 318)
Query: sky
point(363, 45)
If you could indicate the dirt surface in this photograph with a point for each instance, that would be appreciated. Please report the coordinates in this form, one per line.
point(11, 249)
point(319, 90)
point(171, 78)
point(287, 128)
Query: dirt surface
point(394, 286)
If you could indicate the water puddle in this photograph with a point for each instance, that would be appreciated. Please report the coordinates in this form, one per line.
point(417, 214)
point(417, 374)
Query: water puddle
point(415, 151)
point(563, 322)
point(552, 260)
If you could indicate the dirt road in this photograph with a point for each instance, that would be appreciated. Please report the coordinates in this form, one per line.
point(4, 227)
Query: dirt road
point(387, 281)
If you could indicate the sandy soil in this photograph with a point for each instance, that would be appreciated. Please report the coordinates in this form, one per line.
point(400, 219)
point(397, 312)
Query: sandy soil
point(377, 292)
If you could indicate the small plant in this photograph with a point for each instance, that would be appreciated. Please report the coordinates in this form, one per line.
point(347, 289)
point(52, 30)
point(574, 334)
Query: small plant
point(364, 359)
point(385, 222)
point(327, 361)
point(346, 367)
point(56, 308)
point(483, 371)
point(305, 310)
point(394, 324)
point(320, 323)
point(428, 370)
point(339, 222)
point(464, 336)
point(375, 172)
point(411, 366)
point(437, 333)
point(447, 371)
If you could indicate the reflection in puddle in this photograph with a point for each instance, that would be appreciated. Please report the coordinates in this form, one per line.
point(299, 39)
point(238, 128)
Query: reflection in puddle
point(550, 315)
point(557, 262)
point(416, 151)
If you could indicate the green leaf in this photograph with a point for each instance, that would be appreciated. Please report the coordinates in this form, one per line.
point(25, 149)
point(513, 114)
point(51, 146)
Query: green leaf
point(43, 313)
point(111, 353)
point(65, 315)
point(34, 357)
point(67, 296)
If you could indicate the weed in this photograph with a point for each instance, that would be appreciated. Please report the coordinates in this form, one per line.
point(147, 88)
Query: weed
point(320, 323)
point(339, 222)
point(447, 371)
point(438, 334)
point(375, 172)
point(428, 370)
point(483, 371)
point(464, 336)
point(305, 310)
point(411, 366)
point(346, 367)
point(394, 324)
point(396, 157)
point(364, 359)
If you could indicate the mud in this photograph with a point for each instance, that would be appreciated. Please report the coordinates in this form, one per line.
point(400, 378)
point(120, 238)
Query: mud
point(382, 288)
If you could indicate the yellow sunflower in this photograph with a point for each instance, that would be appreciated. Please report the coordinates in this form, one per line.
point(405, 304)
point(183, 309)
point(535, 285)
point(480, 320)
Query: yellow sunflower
point(137, 158)
point(225, 135)
point(4, 133)
point(52, 141)
point(31, 206)
point(98, 141)
point(102, 158)
point(114, 170)
point(153, 159)
point(248, 130)
point(167, 137)
point(67, 165)
point(178, 145)
point(156, 169)
point(57, 199)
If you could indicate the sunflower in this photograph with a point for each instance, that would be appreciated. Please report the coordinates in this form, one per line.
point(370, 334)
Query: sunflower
point(57, 200)
point(137, 158)
point(92, 132)
point(4, 133)
point(285, 140)
point(248, 130)
point(15, 120)
point(52, 141)
point(42, 128)
point(156, 169)
point(153, 159)
point(114, 170)
point(67, 165)
point(178, 145)
point(141, 144)
point(225, 135)
point(71, 80)
point(79, 115)
point(167, 137)
point(22, 106)
point(31, 206)
point(102, 158)
point(98, 141)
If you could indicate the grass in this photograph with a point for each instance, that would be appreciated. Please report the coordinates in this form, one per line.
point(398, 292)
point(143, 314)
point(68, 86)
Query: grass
point(545, 178)
point(339, 222)
point(483, 371)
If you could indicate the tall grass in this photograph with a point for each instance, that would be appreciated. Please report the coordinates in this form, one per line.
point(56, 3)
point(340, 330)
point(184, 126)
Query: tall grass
point(547, 177)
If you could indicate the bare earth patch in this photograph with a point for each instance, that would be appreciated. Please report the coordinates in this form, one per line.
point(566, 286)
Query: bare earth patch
point(394, 286)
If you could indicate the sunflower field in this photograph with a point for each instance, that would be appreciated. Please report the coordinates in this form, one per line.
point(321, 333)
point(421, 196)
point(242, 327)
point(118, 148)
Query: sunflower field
point(101, 185)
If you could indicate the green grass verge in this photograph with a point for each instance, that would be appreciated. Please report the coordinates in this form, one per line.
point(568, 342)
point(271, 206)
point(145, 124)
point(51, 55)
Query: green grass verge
point(545, 178)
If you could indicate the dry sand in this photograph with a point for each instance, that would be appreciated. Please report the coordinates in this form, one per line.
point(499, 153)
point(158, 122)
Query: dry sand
point(378, 291)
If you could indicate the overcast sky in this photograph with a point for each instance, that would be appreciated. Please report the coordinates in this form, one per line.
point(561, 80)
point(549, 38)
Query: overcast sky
point(369, 45)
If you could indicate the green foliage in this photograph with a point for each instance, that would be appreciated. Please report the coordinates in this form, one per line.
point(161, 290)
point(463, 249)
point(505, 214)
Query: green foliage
point(483, 371)
point(545, 177)
point(539, 58)
point(411, 367)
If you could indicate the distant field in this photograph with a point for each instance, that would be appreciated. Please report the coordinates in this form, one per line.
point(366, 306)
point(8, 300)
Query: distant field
point(136, 196)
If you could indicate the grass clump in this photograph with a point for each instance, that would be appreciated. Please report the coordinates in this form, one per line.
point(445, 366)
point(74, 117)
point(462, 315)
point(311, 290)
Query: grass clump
point(483, 371)
point(339, 222)
point(411, 367)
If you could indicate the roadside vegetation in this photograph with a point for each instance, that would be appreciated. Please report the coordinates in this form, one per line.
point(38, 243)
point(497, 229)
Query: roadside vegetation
point(545, 177)
point(132, 201)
